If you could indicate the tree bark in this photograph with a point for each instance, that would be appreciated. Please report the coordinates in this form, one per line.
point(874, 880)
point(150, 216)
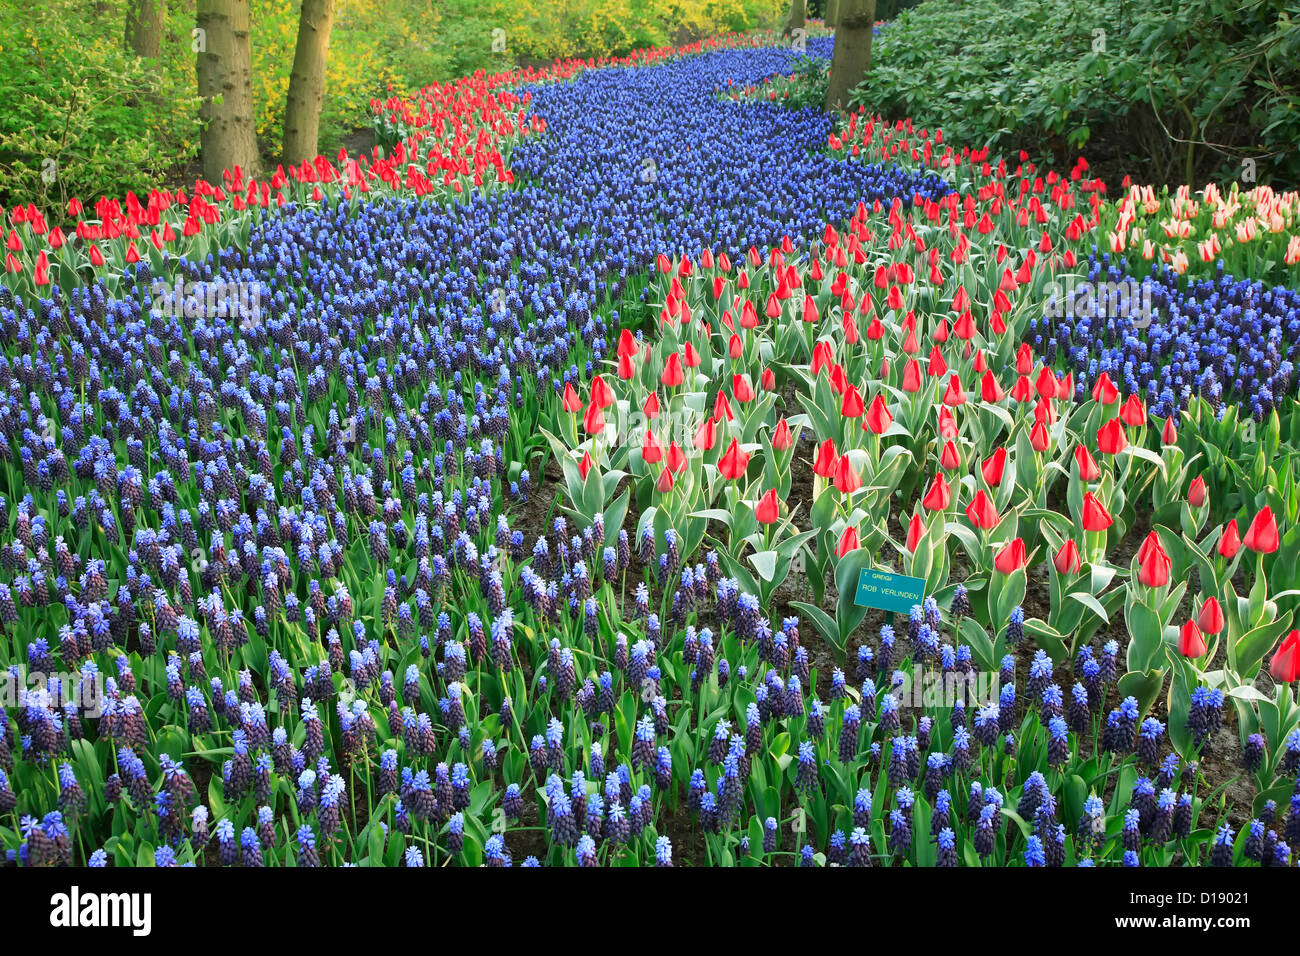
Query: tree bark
point(225, 79)
point(852, 56)
point(307, 81)
point(144, 26)
point(832, 13)
point(795, 21)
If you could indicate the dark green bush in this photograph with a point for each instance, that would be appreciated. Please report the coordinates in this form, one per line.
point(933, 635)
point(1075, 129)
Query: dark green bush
point(1166, 90)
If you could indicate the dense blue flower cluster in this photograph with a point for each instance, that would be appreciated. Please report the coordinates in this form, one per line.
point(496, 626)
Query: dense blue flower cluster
point(1168, 338)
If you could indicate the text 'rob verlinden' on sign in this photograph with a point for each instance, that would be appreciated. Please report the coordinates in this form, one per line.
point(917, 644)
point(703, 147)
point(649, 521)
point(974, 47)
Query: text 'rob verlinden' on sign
point(887, 591)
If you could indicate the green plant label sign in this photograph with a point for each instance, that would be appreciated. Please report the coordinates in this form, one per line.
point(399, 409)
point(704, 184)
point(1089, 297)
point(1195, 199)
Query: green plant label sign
point(888, 591)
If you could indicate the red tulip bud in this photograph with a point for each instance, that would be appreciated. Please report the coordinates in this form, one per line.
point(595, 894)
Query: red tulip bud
point(848, 542)
point(915, 531)
point(1067, 559)
point(1190, 641)
point(1111, 439)
point(767, 511)
point(1262, 535)
point(781, 438)
point(1230, 542)
point(1196, 494)
point(1011, 556)
point(1211, 617)
point(1285, 666)
point(939, 495)
point(1095, 515)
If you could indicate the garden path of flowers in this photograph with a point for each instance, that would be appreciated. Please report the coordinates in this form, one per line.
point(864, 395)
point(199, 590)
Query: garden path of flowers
point(277, 486)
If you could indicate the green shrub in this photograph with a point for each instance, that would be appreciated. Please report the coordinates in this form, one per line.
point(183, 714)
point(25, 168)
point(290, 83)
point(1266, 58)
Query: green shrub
point(1167, 90)
point(80, 116)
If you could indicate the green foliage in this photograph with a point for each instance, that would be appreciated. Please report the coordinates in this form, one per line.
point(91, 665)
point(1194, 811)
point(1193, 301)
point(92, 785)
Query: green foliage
point(1169, 91)
point(108, 121)
point(79, 114)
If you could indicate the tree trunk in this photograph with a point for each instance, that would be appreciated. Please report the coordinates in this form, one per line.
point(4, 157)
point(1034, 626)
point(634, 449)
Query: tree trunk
point(144, 26)
point(795, 20)
point(832, 13)
point(852, 56)
point(225, 75)
point(307, 81)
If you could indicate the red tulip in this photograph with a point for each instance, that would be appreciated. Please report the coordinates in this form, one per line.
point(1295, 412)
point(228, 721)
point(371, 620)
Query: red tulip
point(593, 420)
point(706, 435)
point(1196, 494)
point(767, 511)
point(672, 374)
point(847, 479)
point(1169, 434)
point(878, 418)
point(947, 422)
point(990, 390)
point(1067, 558)
point(810, 309)
point(1190, 641)
point(1154, 562)
point(584, 466)
point(1285, 666)
point(767, 380)
point(693, 358)
point(1211, 617)
point(1111, 439)
point(650, 407)
point(1095, 515)
point(993, 467)
point(1046, 384)
point(912, 376)
point(852, 405)
point(651, 450)
point(937, 366)
point(1011, 556)
point(626, 367)
point(981, 512)
point(949, 459)
point(1133, 412)
point(734, 462)
point(939, 495)
point(1088, 469)
point(665, 482)
point(741, 388)
point(915, 531)
point(571, 401)
point(781, 438)
point(1039, 437)
point(823, 357)
point(1261, 537)
point(675, 458)
point(627, 344)
point(601, 393)
point(1104, 391)
point(848, 541)
point(826, 460)
point(954, 395)
point(1230, 542)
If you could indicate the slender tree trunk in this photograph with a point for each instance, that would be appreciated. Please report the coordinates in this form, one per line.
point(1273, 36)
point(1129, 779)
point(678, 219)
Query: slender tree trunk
point(144, 26)
point(225, 75)
point(832, 13)
point(307, 81)
point(796, 18)
point(852, 56)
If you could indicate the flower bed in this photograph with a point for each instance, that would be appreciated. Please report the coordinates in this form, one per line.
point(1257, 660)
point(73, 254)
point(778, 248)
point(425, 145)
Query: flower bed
point(526, 526)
